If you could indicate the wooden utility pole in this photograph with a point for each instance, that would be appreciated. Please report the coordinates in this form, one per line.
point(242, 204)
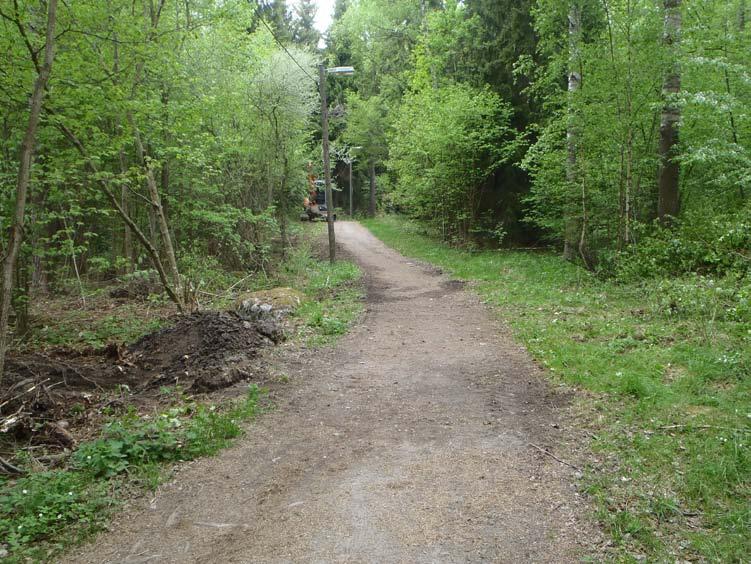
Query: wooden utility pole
point(24, 174)
point(668, 196)
point(326, 166)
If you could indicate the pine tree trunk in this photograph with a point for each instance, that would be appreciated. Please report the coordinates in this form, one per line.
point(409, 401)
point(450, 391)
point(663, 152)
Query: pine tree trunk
point(571, 233)
point(22, 182)
point(372, 203)
point(668, 202)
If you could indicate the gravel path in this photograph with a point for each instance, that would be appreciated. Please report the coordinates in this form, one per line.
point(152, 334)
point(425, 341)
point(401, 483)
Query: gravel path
point(410, 441)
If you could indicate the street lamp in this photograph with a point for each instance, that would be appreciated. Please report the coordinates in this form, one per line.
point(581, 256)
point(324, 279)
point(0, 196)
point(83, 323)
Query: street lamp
point(322, 71)
point(349, 160)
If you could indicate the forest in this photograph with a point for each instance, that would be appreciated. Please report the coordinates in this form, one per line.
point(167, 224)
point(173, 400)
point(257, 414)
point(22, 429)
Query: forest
point(152, 136)
point(170, 143)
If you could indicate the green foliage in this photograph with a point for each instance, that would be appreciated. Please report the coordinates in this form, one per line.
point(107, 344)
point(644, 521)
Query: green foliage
point(41, 512)
point(698, 243)
point(303, 25)
point(182, 433)
point(446, 144)
point(223, 115)
point(613, 120)
point(366, 126)
point(671, 380)
point(37, 506)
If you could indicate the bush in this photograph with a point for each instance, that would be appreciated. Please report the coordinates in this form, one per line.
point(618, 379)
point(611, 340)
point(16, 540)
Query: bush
point(695, 244)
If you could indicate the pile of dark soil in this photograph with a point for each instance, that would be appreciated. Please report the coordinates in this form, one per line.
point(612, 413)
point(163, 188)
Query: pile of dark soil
point(46, 396)
point(203, 351)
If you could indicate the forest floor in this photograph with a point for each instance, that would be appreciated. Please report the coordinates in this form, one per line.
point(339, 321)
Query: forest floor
point(424, 435)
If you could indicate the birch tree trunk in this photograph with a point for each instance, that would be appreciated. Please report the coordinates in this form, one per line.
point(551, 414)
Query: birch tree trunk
point(668, 201)
point(571, 228)
point(22, 182)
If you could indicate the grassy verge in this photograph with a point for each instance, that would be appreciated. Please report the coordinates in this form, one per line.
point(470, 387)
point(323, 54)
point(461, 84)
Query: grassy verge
point(671, 401)
point(334, 297)
point(43, 512)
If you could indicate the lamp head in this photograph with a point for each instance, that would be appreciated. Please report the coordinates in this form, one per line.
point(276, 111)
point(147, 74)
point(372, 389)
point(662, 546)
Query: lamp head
point(343, 71)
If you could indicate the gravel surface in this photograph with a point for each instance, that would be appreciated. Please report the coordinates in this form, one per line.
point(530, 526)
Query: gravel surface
point(410, 441)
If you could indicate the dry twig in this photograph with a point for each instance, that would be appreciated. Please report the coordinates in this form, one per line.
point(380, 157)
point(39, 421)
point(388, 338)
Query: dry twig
point(703, 427)
point(554, 457)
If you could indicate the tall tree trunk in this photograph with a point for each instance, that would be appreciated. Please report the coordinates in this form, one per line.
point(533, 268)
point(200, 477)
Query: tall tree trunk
point(571, 236)
point(22, 182)
point(373, 200)
point(742, 16)
point(124, 202)
point(668, 201)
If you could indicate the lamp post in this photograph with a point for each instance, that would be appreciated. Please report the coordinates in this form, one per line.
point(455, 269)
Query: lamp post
point(322, 71)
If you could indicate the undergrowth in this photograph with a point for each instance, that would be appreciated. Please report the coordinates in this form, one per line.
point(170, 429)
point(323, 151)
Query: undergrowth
point(46, 511)
point(93, 319)
point(669, 364)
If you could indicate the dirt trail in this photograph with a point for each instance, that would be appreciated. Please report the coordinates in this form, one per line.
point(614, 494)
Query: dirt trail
point(407, 442)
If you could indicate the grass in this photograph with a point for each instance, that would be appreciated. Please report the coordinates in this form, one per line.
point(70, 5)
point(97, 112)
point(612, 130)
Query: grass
point(334, 295)
point(668, 389)
point(44, 512)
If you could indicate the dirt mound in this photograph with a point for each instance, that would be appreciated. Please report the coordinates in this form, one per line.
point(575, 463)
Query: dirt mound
point(199, 348)
point(201, 352)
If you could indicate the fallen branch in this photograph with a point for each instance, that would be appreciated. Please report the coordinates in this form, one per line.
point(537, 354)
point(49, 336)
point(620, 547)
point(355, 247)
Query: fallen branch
point(554, 457)
point(8, 469)
point(238, 283)
point(6, 402)
point(10, 421)
point(52, 460)
point(703, 427)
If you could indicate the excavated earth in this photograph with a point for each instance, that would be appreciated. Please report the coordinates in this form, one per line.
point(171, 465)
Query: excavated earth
point(423, 436)
point(53, 399)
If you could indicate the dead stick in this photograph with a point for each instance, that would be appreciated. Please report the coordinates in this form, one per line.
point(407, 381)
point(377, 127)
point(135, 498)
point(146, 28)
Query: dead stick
point(7, 468)
point(669, 427)
point(554, 457)
point(23, 393)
